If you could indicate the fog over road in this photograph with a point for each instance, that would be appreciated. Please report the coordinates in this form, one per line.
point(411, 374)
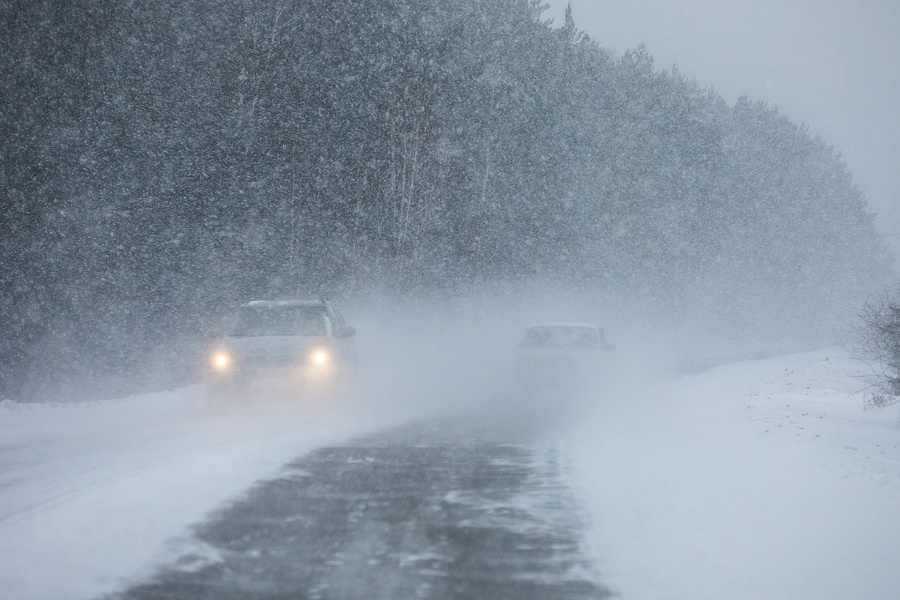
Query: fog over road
point(448, 508)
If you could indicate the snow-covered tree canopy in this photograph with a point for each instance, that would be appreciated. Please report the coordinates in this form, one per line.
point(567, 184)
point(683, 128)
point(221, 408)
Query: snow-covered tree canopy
point(164, 161)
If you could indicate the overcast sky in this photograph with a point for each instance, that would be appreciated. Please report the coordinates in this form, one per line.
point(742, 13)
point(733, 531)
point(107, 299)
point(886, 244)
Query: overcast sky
point(834, 65)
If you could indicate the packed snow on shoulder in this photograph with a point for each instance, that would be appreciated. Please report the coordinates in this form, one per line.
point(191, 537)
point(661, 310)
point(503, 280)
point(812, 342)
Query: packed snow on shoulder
point(95, 494)
point(764, 479)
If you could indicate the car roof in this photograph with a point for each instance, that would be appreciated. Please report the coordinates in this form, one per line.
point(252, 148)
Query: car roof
point(282, 303)
point(564, 324)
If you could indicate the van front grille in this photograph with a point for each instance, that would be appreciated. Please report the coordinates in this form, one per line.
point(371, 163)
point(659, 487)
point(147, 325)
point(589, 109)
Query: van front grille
point(269, 360)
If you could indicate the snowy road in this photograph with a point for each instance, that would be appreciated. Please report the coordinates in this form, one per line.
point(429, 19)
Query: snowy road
point(445, 509)
point(761, 479)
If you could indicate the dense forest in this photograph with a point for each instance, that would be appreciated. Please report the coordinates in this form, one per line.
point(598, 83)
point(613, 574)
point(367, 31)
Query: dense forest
point(165, 161)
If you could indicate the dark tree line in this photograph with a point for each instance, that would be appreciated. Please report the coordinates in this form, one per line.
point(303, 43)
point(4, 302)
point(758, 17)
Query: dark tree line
point(162, 162)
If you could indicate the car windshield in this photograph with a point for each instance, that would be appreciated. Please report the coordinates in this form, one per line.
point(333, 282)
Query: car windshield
point(562, 336)
point(279, 320)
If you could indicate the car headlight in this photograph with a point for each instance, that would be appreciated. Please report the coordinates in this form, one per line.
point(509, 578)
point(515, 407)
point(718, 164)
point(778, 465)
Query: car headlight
point(221, 361)
point(318, 357)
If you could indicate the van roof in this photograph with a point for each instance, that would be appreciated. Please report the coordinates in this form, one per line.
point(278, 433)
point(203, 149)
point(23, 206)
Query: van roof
point(281, 303)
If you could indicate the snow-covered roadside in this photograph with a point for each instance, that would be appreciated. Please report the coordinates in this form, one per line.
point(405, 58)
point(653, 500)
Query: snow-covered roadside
point(764, 479)
point(92, 494)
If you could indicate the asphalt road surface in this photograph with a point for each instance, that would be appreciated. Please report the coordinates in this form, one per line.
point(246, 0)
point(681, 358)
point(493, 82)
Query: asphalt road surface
point(448, 509)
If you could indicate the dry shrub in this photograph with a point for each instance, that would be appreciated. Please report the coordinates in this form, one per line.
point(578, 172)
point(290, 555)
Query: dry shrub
point(879, 341)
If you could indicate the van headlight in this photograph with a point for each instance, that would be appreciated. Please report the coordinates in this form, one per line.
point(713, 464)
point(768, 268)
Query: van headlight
point(319, 357)
point(221, 361)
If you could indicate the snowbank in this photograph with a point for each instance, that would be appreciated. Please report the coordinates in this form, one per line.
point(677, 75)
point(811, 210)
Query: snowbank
point(764, 479)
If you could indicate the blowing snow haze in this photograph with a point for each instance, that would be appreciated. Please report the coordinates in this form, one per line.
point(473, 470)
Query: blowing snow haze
point(164, 162)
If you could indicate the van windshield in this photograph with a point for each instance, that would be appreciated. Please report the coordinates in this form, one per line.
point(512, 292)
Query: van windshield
point(252, 321)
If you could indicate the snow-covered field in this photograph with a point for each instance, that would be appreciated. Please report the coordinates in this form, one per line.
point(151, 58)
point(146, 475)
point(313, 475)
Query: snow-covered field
point(762, 479)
